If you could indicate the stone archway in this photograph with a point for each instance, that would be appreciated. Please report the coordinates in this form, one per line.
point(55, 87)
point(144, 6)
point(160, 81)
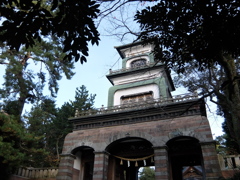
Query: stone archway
point(83, 163)
point(126, 156)
point(185, 154)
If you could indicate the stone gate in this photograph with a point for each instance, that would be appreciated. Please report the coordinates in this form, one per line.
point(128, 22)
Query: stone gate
point(143, 125)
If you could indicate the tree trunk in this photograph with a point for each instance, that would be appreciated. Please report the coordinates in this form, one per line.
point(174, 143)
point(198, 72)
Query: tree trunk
point(232, 97)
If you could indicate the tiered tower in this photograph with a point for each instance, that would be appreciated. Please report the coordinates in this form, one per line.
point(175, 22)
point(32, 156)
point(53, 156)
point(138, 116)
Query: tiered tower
point(141, 78)
point(143, 125)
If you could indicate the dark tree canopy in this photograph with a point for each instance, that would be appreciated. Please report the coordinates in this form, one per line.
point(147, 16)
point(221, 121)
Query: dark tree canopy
point(186, 30)
point(16, 145)
point(200, 34)
point(25, 21)
point(51, 123)
point(209, 82)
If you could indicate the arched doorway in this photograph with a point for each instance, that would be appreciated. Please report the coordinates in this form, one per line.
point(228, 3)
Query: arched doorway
point(185, 158)
point(83, 164)
point(126, 156)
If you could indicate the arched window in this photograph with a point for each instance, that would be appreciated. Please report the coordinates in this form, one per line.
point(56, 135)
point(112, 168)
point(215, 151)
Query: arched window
point(138, 63)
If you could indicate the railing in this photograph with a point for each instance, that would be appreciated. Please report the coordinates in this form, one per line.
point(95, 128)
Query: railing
point(132, 68)
point(228, 162)
point(35, 173)
point(139, 105)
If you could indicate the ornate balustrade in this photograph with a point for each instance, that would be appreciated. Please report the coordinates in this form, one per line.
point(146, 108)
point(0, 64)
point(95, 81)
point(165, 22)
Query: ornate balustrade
point(139, 105)
point(37, 173)
point(132, 68)
point(228, 162)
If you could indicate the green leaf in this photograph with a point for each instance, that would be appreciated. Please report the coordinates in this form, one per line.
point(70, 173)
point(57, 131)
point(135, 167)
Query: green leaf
point(83, 59)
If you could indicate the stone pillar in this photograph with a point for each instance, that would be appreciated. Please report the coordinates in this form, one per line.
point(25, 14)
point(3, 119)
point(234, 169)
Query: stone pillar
point(65, 170)
point(210, 161)
point(100, 166)
point(161, 163)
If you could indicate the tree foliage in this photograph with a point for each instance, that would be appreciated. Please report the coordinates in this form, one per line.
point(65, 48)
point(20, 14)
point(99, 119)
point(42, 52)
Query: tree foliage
point(209, 82)
point(51, 123)
point(226, 146)
point(147, 173)
point(26, 74)
point(200, 34)
point(28, 71)
point(38, 121)
point(26, 21)
point(83, 100)
point(16, 145)
point(205, 31)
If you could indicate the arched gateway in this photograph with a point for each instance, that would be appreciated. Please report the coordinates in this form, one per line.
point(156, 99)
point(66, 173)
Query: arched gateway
point(127, 155)
point(143, 125)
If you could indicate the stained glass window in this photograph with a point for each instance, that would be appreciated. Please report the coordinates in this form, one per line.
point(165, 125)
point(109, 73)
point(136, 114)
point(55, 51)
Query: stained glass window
point(138, 63)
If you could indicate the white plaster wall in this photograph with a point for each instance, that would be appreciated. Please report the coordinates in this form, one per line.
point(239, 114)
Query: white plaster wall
point(77, 161)
point(137, 50)
point(134, 90)
point(144, 75)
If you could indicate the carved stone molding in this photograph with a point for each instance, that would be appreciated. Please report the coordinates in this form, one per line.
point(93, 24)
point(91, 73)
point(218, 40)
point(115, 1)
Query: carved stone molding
point(123, 120)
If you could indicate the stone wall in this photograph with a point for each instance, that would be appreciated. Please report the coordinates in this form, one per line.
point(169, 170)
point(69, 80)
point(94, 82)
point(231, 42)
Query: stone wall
point(158, 132)
point(35, 173)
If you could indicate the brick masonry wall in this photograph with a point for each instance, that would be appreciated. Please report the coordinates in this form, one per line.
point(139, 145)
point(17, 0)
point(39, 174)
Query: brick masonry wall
point(229, 173)
point(157, 132)
point(66, 171)
point(211, 163)
point(161, 163)
point(100, 166)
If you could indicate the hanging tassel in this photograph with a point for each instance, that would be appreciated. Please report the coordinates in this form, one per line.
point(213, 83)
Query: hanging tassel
point(128, 163)
point(121, 162)
point(136, 164)
point(152, 160)
point(144, 162)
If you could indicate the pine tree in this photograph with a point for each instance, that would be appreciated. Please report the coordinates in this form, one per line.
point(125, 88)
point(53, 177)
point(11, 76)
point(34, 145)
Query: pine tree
point(52, 124)
point(83, 100)
point(61, 126)
point(23, 84)
point(16, 145)
point(26, 74)
point(38, 121)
